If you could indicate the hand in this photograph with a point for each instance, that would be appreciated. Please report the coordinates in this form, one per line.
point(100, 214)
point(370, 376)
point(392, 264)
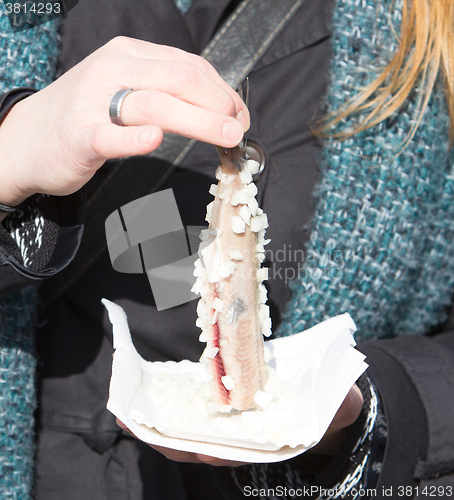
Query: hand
point(54, 141)
point(339, 428)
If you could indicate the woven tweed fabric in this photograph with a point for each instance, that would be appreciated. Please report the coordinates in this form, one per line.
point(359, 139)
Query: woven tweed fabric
point(28, 58)
point(382, 240)
point(17, 395)
point(183, 5)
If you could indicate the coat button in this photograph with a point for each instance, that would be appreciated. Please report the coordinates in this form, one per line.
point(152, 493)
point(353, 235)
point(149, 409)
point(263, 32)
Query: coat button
point(255, 151)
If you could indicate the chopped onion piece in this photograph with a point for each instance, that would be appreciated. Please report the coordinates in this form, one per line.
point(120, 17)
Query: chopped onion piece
point(264, 312)
point(259, 222)
point(238, 225)
point(201, 323)
point(227, 269)
point(245, 214)
point(227, 179)
point(218, 304)
point(204, 234)
point(262, 274)
point(210, 352)
point(252, 165)
point(213, 232)
point(236, 255)
point(202, 309)
point(240, 197)
point(214, 277)
point(252, 189)
point(197, 268)
point(262, 399)
point(266, 327)
point(204, 337)
point(253, 206)
point(209, 210)
point(197, 286)
point(262, 294)
point(245, 176)
point(228, 382)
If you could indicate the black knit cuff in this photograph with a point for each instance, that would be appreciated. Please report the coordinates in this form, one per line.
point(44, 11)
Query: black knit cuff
point(39, 239)
point(8, 100)
point(33, 229)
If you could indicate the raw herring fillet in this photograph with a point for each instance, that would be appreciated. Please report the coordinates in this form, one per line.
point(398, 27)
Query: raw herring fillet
point(232, 311)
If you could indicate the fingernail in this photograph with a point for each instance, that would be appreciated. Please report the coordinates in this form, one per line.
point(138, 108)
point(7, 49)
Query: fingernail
point(146, 136)
point(233, 131)
point(244, 119)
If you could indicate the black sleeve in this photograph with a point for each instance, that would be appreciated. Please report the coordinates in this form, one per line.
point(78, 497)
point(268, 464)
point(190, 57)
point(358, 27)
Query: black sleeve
point(415, 376)
point(53, 223)
point(43, 235)
point(10, 98)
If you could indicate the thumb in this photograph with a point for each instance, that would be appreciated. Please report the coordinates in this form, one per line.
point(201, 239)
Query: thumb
point(107, 140)
point(349, 409)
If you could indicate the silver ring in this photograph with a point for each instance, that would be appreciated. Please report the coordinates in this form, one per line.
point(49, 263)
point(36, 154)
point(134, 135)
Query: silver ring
point(115, 106)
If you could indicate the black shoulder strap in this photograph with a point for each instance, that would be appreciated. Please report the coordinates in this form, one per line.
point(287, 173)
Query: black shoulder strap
point(234, 51)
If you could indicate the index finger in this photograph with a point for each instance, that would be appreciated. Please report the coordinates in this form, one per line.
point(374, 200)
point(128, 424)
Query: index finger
point(219, 462)
point(147, 50)
point(211, 72)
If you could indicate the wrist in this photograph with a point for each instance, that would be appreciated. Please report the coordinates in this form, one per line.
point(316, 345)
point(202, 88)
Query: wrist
point(11, 195)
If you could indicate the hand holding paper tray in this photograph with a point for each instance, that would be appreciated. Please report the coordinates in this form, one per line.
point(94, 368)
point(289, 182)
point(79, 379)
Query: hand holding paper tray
point(165, 404)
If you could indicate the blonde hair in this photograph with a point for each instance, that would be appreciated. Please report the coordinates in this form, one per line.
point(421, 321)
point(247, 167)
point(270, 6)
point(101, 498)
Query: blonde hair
point(426, 49)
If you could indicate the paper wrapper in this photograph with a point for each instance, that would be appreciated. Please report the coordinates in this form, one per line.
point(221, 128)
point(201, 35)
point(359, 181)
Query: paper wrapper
point(317, 368)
